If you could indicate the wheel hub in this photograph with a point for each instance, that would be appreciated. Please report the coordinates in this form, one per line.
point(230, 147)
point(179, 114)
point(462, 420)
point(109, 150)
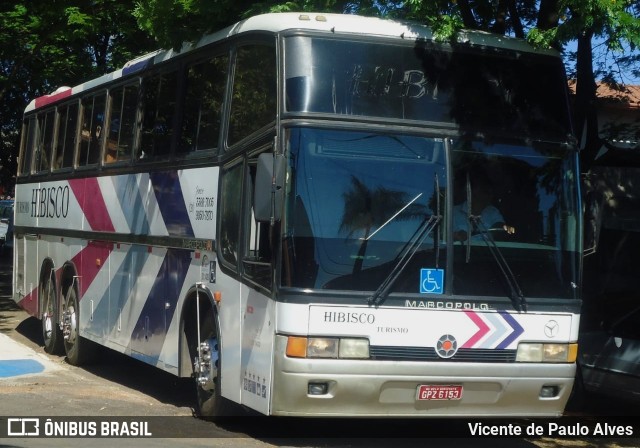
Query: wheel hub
point(206, 365)
point(69, 326)
point(48, 325)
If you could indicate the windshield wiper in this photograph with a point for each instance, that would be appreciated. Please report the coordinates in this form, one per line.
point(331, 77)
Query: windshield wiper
point(427, 226)
point(421, 233)
point(392, 217)
point(517, 298)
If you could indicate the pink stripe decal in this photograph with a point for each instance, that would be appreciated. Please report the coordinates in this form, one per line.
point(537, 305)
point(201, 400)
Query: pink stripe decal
point(482, 329)
point(48, 99)
point(29, 303)
point(89, 262)
point(89, 196)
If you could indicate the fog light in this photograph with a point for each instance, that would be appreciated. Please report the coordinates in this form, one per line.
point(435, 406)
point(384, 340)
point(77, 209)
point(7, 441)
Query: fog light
point(317, 388)
point(549, 391)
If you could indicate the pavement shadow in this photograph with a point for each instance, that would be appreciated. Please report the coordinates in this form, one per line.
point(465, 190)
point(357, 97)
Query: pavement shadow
point(107, 364)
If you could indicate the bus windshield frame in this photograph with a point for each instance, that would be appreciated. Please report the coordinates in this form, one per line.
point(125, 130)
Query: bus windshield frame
point(478, 89)
point(356, 199)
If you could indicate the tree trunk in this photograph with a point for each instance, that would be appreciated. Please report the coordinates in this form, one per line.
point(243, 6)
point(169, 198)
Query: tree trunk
point(549, 17)
point(467, 15)
point(585, 113)
point(548, 14)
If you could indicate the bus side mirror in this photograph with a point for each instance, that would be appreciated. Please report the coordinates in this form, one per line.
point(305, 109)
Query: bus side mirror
point(269, 187)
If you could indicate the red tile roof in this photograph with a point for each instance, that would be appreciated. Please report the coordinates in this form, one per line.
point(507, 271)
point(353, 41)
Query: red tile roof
point(627, 96)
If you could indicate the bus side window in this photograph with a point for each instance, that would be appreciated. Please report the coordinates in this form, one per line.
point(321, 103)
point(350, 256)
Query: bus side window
point(159, 104)
point(70, 136)
point(59, 146)
point(258, 240)
point(30, 127)
point(45, 137)
point(122, 119)
point(253, 105)
point(65, 144)
point(206, 83)
point(230, 208)
point(91, 136)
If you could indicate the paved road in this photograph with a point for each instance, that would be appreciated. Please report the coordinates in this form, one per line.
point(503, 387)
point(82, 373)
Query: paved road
point(35, 384)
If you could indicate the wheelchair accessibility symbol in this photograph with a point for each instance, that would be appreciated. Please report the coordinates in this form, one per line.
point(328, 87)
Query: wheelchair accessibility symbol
point(431, 281)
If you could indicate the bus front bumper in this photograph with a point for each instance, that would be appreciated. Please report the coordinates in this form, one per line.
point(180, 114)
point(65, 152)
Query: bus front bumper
point(367, 388)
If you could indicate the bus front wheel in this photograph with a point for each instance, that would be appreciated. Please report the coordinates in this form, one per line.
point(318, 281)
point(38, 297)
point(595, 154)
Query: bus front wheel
point(209, 401)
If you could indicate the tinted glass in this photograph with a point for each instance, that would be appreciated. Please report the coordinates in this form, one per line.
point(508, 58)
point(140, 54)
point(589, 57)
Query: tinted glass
point(523, 199)
point(356, 201)
point(230, 207)
point(254, 91)
point(206, 83)
point(121, 135)
point(67, 127)
point(91, 136)
point(31, 127)
point(159, 104)
point(517, 93)
point(45, 140)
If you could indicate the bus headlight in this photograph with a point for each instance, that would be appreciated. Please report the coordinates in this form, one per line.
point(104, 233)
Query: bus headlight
point(539, 352)
point(319, 347)
point(322, 348)
point(354, 348)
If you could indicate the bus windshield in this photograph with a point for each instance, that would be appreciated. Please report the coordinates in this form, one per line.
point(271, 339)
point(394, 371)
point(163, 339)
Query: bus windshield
point(357, 199)
point(515, 93)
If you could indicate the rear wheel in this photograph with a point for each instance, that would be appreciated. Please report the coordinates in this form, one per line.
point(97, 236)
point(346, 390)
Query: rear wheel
point(74, 346)
point(51, 333)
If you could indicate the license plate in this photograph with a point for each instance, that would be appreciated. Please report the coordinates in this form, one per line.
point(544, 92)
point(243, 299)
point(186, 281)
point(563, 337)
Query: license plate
point(432, 392)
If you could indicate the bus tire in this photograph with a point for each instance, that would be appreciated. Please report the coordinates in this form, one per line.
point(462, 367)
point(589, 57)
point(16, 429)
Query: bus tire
point(51, 333)
point(210, 404)
point(74, 346)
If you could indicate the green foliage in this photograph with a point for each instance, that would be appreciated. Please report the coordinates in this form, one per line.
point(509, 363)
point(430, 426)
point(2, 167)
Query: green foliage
point(173, 22)
point(46, 44)
point(616, 22)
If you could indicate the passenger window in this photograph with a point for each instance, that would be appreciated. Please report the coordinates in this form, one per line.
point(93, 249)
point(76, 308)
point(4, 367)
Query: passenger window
point(65, 145)
point(206, 83)
point(258, 241)
point(159, 103)
point(230, 208)
point(44, 141)
point(25, 159)
point(254, 91)
point(91, 134)
point(121, 130)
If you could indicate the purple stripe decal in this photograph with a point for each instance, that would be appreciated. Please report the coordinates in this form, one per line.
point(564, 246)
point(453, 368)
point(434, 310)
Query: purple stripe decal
point(168, 191)
point(150, 331)
point(517, 330)
point(137, 67)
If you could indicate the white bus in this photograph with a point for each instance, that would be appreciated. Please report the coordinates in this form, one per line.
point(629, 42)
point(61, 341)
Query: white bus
point(288, 211)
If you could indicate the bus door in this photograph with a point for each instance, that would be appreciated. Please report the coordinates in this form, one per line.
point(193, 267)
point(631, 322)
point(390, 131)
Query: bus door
point(26, 276)
point(257, 264)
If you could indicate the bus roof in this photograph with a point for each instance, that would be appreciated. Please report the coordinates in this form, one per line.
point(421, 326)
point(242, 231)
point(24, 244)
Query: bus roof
point(279, 22)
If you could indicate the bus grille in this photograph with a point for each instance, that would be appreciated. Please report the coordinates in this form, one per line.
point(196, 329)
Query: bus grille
point(385, 353)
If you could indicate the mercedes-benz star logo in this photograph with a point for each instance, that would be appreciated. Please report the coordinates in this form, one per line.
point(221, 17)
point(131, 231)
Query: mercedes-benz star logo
point(447, 346)
point(551, 328)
